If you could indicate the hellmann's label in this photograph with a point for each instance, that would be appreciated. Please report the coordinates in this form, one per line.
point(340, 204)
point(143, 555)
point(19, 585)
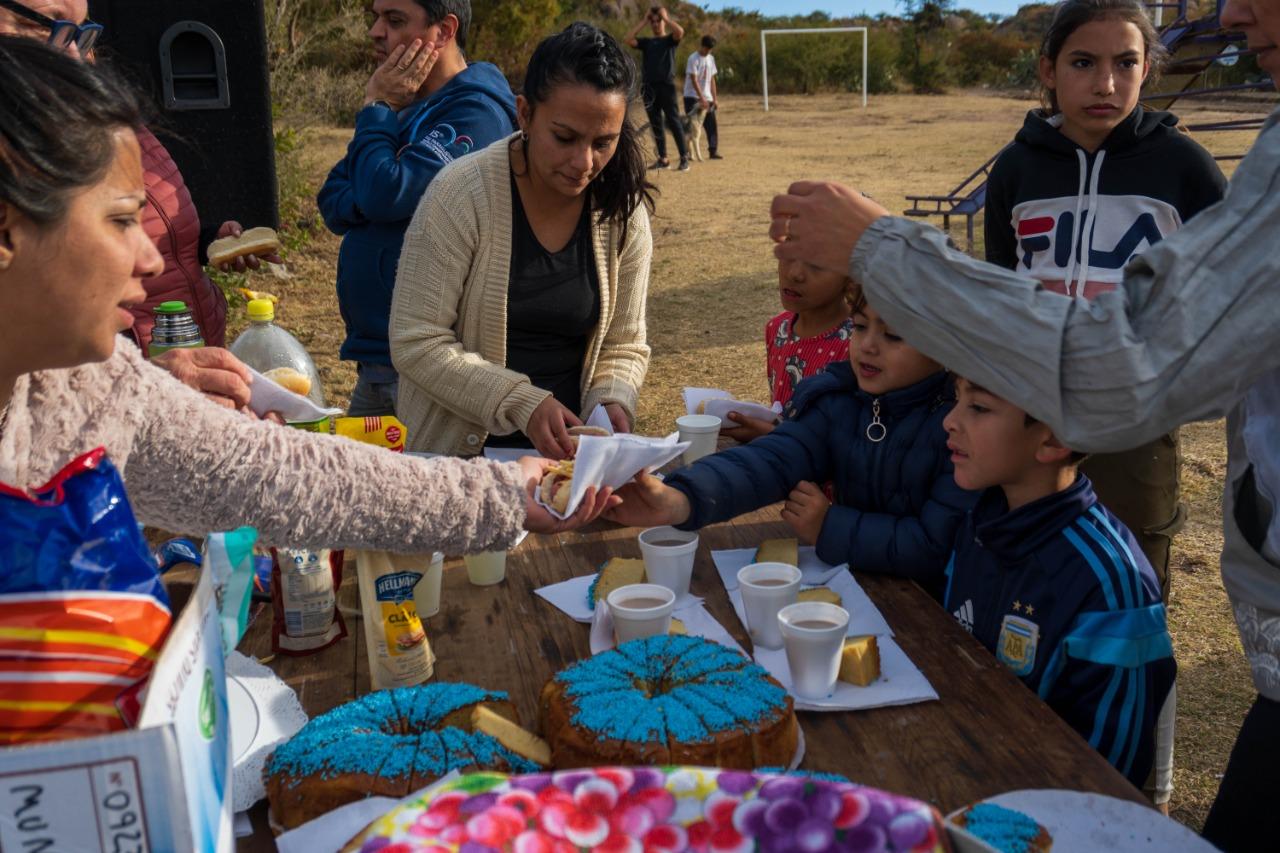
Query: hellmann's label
point(399, 653)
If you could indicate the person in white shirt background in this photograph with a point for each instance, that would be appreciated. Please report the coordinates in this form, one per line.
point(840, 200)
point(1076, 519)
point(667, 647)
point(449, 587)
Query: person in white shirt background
point(700, 90)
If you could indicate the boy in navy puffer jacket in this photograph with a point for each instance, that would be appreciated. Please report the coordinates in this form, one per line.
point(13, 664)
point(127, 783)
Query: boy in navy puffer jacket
point(872, 426)
point(1055, 585)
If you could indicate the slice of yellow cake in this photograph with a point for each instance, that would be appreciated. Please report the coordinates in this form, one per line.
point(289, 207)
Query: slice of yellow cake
point(677, 627)
point(820, 593)
point(520, 741)
point(860, 661)
point(619, 571)
point(779, 551)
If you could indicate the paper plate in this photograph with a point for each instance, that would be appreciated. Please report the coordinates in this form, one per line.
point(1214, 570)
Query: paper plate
point(1080, 821)
point(246, 720)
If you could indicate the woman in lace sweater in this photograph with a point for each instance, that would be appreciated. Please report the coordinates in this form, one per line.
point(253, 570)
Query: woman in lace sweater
point(520, 296)
point(73, 256)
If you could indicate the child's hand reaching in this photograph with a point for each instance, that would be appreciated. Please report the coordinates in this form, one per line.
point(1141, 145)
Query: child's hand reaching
point(805, 510)
point(747, 429)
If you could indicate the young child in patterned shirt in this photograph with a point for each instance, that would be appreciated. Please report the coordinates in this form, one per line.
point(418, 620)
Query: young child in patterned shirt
point(811, 332)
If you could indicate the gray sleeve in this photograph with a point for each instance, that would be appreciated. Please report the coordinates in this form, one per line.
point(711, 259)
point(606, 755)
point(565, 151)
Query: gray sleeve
point(1195, 323)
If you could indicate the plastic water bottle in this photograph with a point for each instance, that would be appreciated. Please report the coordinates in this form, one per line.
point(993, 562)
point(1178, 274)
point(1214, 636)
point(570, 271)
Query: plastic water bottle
point(265, 346)
point(174, 329)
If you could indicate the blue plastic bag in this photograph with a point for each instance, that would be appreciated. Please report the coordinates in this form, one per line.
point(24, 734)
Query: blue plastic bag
point(78, 532)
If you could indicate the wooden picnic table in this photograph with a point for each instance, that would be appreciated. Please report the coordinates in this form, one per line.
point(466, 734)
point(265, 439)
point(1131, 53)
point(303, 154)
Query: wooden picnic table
point(986, 734)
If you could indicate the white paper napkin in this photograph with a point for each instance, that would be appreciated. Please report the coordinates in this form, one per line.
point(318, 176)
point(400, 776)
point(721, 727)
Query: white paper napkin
point(266, 396)
point(864, 617)
point(271, 710)
point(720, 403)
point(900, 682)
point(330, 832)
point(614, 461)
point(570, 597)
point(697, 623)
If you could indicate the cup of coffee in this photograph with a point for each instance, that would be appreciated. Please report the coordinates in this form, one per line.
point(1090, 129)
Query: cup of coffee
point(486, 568)
point(702, 432)
point(668, 557)
point(426, 594)
point(813, 634)
point(641, 610)
point(766, 588)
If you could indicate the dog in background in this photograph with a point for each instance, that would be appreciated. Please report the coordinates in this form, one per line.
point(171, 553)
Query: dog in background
point(692, 124)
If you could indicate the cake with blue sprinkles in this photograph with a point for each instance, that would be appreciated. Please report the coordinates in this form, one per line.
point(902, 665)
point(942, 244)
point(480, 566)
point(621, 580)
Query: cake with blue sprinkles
point(668, 700)
point(386, 744)
point(1006, 830)
point(619, 571)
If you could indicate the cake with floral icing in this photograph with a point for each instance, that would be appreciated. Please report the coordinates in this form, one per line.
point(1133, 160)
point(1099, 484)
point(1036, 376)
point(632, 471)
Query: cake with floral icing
point(1006, 830)
point(388, 743)
point(655, 810)
point(668, 700)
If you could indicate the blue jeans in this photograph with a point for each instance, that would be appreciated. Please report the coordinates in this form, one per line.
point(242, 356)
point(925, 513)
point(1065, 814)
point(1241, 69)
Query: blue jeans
point(375, 391)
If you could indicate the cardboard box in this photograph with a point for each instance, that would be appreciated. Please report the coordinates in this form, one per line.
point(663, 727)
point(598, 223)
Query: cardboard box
point(165, 786)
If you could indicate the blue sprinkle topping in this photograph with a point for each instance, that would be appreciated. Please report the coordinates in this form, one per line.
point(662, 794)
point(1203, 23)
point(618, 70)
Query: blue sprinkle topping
point(591, 590)
point(679, 687)
point(1005, 829)
point(379, 734)
point(816, 775)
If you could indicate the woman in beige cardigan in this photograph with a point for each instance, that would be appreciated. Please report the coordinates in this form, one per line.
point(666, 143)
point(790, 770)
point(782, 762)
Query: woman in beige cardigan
point(73, 259)
point(520, 297)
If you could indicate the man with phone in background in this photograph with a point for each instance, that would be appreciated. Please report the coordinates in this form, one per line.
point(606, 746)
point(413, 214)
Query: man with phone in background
point(658, 76)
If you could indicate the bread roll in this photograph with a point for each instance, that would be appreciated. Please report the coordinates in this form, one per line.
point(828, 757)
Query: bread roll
point(589, 430)
point(254, 241)
point(556, 485)
point(293, 380)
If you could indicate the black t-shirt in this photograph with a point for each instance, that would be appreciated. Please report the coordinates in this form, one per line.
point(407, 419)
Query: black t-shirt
point(659, 58)
point(553, 305)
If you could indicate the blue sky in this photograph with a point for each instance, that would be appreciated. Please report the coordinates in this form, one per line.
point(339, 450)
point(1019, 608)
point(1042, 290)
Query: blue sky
point(853, 7)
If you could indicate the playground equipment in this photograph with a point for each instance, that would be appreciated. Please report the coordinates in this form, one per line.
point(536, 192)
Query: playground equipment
point(1194, 46)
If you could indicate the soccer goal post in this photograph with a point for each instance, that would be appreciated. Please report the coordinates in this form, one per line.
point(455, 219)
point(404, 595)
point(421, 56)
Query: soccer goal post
point(764, 52)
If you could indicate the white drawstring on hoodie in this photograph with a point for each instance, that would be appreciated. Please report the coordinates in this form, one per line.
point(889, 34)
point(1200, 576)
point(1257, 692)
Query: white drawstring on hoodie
point(1082, 234)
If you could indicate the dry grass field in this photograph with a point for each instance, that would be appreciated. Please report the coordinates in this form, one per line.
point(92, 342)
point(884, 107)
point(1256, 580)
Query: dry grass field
point(714, 285)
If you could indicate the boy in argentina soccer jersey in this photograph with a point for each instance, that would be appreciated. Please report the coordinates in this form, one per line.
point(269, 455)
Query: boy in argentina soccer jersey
point(1053, 584)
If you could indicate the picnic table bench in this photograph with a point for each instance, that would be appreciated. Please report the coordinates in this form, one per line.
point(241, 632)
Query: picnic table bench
point(987, 733)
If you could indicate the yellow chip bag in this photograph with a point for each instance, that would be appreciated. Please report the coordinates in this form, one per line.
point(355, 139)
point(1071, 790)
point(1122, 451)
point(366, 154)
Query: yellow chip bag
point(385, 431)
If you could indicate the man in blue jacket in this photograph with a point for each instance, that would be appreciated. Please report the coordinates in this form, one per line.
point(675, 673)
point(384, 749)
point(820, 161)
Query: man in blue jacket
point(1055, 585)
point(424, 107)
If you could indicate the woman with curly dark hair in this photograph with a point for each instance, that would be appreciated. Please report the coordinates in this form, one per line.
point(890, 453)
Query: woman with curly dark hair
point(520, 298)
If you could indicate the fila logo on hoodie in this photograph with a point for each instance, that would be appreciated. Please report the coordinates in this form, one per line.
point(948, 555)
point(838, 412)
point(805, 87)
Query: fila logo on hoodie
point(1081, 249)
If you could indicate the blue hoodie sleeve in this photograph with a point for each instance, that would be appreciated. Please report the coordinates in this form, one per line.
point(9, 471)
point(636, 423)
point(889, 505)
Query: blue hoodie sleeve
point(384, 178)
point(909, 546)
point(742, 479)
point(336, 201)
point(997, 216)
point(1109, 678)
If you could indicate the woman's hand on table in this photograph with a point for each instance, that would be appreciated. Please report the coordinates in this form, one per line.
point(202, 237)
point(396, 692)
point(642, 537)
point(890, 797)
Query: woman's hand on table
point(820, 223)
point(548, 429)
point(747, 429)
point(648, 502)
point(805, 511)
point(617, 417)
point(539, 520)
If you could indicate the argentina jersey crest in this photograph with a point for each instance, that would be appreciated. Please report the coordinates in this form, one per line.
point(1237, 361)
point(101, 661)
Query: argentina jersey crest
point(1016, 647)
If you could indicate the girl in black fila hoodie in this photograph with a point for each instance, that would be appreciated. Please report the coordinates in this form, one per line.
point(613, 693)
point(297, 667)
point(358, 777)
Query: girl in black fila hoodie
point(1073, 218)
point(1086, 185)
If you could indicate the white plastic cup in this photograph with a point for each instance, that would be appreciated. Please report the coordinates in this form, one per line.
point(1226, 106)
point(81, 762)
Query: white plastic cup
point(668, 557)
point(486, 568)
point(426, 594)
point(702, 432)
point(766, 588)
point(813, 651)
point(635, 615)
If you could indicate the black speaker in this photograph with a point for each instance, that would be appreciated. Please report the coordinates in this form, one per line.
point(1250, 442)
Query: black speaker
point(205, 65)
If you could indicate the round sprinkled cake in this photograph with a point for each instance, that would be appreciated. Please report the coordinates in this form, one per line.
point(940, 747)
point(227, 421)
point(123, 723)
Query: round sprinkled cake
point(668, 700)
point(656, 810)
point(388, 743)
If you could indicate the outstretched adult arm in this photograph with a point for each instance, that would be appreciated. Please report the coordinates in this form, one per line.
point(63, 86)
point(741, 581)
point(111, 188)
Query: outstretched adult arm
point(1195, 323)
